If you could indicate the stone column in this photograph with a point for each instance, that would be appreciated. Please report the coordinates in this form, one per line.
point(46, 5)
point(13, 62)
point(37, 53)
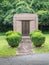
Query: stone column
point(17, 26)
point(14, 25)
point(36, 21)
point(32, 26)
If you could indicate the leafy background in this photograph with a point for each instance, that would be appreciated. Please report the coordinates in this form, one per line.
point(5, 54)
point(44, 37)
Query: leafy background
point(10, 7)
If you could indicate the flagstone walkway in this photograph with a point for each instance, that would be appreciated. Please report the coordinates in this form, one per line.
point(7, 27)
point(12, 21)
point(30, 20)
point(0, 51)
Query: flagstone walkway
point(25, 46)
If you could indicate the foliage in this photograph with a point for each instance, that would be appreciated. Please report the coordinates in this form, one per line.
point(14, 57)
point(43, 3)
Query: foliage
point(10, 7)
point(37, 38)
point(5, 50)
point(40, 5)
point(43, 17)
point(13, 38)
point(9, 32)
point(23, 7)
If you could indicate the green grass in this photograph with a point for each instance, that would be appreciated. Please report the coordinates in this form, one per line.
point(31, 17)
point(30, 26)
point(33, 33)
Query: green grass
point(5, 50)
point(45, 47)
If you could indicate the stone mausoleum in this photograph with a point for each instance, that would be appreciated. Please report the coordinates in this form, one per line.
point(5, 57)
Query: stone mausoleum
point(25, 23)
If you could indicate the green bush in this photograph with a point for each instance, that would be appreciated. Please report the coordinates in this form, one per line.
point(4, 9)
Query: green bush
point(38, 38)
point(34, 31)
point(19, 33)
point(9, 33)
point(13, 38)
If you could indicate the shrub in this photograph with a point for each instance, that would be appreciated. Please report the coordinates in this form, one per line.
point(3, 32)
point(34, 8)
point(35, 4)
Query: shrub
point(13, 38)
point(19, 33)
point(9, 33)
point(38, 38)
point(34, 31)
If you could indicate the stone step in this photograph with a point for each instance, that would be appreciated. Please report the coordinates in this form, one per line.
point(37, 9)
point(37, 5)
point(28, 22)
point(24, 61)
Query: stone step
point(25, 42)
point(25, 39)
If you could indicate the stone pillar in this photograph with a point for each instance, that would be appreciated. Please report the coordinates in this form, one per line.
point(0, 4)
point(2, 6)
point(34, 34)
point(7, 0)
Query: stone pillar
point(36, 22)
point(17, 26)
point(14, 25)
point(32, 26)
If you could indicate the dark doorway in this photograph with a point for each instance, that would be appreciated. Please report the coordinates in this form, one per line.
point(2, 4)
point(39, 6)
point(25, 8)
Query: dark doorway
point(25, 28)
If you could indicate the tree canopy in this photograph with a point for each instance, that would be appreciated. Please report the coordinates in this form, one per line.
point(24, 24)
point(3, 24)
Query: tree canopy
point(9, 7)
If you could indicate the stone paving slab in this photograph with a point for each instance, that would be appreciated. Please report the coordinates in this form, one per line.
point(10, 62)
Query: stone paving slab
point(37, 59)
point(25, 47)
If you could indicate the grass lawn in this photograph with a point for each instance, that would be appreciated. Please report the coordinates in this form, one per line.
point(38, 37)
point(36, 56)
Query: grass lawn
point(45, 47)
point(5, 50)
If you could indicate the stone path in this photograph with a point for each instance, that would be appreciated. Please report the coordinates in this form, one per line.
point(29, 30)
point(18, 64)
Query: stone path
point(25, 46)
